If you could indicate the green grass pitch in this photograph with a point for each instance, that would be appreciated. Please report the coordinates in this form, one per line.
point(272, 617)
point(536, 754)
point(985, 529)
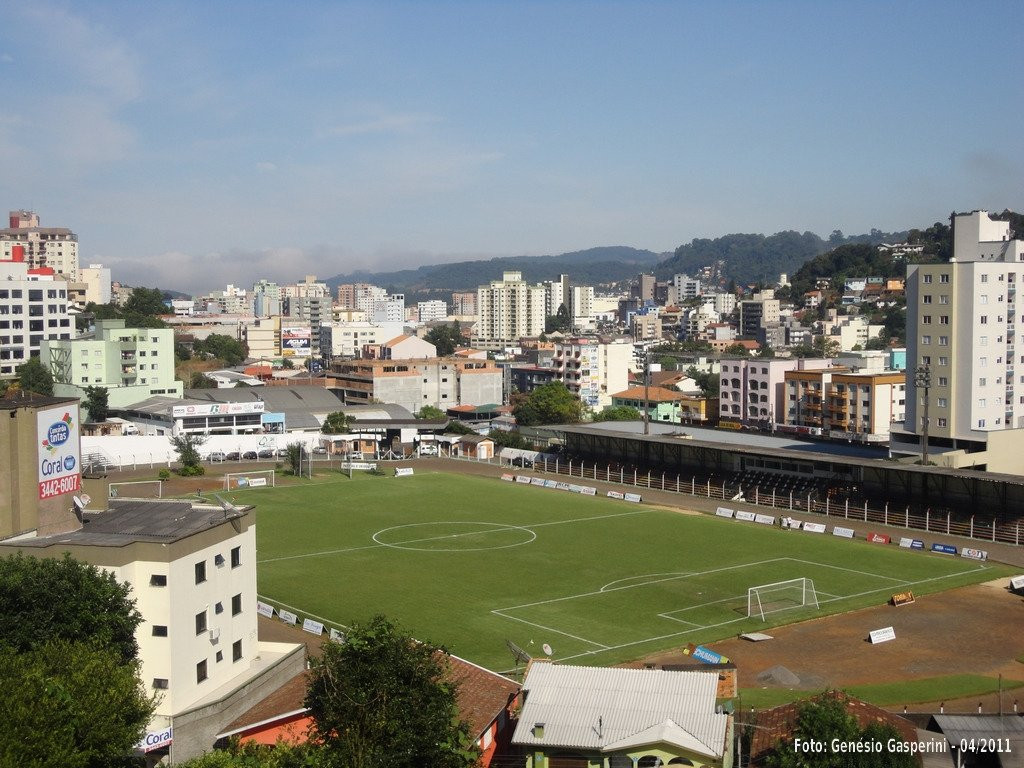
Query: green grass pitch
point(468, 562)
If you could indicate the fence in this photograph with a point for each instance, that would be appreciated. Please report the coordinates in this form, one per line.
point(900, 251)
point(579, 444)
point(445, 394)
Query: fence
point(944, 522)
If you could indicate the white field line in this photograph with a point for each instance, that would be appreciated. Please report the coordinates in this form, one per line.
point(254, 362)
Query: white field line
point(448, 536)
point(550, 629)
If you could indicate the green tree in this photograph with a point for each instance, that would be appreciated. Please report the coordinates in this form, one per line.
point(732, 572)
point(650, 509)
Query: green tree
point(96, 403)
point(145, 301)
point(296, 456)
point(223, 347)
point(383, 698)
point(509, 438)
point(70, 704)
point(431, 413)
point(199, 380)
point(736, 349)
point(33, 376)
point(456, 427)
point(559, 322)
point(288, 364)
point(337, 423)
point(187, 445)
point(251, 755)
point(708, 382)
point(551, 403)
point(92, 604)
point(618, 413)
point(447, 338)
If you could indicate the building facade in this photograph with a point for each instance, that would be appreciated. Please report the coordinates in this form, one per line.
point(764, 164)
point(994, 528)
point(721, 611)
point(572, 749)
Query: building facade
point(593, 370)
point(53, 247)
point(33, 309)
point(752, 392)
point(509, 309)
point(838, 403)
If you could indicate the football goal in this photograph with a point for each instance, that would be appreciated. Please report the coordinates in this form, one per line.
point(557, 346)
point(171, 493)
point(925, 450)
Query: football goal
point(136, 489)
point(780, 596)
point(234, 481)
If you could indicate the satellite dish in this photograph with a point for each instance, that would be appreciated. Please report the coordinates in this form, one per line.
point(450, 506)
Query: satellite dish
point(86, 499)
point(79, 504)
point(548, 650)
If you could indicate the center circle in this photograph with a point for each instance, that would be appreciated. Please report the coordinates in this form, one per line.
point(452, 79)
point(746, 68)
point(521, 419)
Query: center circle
point(452, 536)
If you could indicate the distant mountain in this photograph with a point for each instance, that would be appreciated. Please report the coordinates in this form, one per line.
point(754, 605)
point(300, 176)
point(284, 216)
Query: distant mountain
point(589, 267)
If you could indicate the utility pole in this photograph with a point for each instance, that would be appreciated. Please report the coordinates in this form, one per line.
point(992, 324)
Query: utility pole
point(647, 391)
point(923, 380)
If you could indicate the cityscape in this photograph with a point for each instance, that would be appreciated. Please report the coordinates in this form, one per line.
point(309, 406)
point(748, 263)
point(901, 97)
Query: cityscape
point(379, 390)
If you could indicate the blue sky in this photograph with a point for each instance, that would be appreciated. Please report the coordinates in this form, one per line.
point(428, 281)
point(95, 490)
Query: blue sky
point(193, 144)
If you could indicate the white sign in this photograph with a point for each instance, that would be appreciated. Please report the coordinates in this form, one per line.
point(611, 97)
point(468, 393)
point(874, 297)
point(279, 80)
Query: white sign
point(522, 479)
point(537, 481)
point(846, 533)
point(586, 491)
point(814, 527)
point(748, 516)
point(724, 512)
point(287, 617)
point(1017, 583)
point(403, 471)
point(156, 739)
point(336, 636)
point(58, 451)
point(906, 543)
point(633, 497)
point(216, 409)
point(313, 627)
point(365, 465)
point(764, 519)
point(265, 609)
point(615, 495)
point(974, 554)
point(507, 478)
point(256, 482)
point(883, 635)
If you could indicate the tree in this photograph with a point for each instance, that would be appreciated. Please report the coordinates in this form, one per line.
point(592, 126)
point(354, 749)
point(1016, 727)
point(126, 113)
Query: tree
point(199, 380)
point(288, 364)
point(708, 382)
point(383, 698)
point(509, 439)
point(431, 413)
point(336, 423)
point(187, 444)
point(551, 403)
point(251, 755)
point(618, 413)
point(559, 322)
point(736, 349)
point(295, 456)
point(33, 376)
point(69, 703)
point(447, 338)
point(223, 347)
point(96, 403)
point(145, 301)
point(92, 604)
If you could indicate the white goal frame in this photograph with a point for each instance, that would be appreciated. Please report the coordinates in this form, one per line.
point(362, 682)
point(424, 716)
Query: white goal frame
point(270, 474)
point(801, 591)
point(113, 491)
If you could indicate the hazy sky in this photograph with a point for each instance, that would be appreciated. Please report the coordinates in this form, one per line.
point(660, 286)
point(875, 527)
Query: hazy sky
point(193, 144)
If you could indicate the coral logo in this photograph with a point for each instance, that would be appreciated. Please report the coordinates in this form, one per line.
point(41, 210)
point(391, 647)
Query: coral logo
point(58, 433)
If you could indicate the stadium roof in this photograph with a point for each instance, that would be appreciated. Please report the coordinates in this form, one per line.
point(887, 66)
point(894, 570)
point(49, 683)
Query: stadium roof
point(611, 708)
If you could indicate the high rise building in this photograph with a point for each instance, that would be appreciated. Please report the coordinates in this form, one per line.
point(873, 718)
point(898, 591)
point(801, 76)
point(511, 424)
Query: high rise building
point(582, 304)
point(464, 304)
point(593, 371)
point(53, 247)
point(644, 289)
point(96, 278)
point(509, 309)
point(33, 308)
point(556, 293)
point(266, 298)
point(965, 371)
point(430, 311)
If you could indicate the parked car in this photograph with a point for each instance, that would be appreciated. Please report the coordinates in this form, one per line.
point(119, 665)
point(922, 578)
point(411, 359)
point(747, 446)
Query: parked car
point(266, 453)
point(217, 456)
point(319, 449)
point(522, 461)
point(248, 455)
point(282, 453)
point(428, 449)
point(232, 456)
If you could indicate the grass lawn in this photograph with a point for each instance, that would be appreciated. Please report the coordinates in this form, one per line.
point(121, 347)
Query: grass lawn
point(468, 562)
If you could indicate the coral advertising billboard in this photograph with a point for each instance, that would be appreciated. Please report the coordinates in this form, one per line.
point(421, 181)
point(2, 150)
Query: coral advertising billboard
point(58, 451)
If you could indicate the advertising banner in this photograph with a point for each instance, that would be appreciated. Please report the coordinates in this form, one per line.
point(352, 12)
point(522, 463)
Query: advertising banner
point(313, 627)
point(507, 478)
point(58, 451)
point(700, 653)
point(814, 527)
point(633, 497)
point(882, 635)
point(748, 516)
point(562, 486)
point(908, 543)
point(724, 512)
point(764, 519)
point(615, 495)
point(217, 409)
point(156, 739)
point(846, 533)
point(878, 538)
point(587, 491)
point(974, 554)
point(902, 598)
point(522, 479)
point(287, 617)
point(297, 341)
point(550, 483)
point(336, 636)
point(537, 481)
point(1017, 584)
point(944, 549)
point(264, 609)
point(403, 471)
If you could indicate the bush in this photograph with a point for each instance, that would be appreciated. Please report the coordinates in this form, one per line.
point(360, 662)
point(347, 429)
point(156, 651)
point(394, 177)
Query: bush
point(192, 471)
point(164, 474)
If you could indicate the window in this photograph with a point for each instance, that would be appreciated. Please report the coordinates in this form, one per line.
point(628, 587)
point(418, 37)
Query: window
point(925, 360)
point(943, 341)
point(981, 402)
point(220, 655)
point(158, 580)
point(200, 622)
point(984, 278)
point(236, 650)
point(982, 341)
point(200, 572)
point(201, 671)
point(926, 319)
point(943, 319)
point(160, 683)
point(236, 604)
point(159, 630)
point(943, 381)
point(218, 608)
point(982, 362)
point(218, 560)
point(940, 422)
point(236, 557)
point(926, 299)
point(942, 402)
point(981, 423)
point(943, 299)
point(982, 382)
point(927, 278)
point(926, 339)
point(983, 319)
point(983, 298)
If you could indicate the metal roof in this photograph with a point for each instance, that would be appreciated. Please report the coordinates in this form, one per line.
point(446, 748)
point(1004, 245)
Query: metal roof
point(613, 708)
point(964, 728)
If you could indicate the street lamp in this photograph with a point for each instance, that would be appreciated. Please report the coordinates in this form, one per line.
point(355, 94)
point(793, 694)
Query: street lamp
point(923, 380)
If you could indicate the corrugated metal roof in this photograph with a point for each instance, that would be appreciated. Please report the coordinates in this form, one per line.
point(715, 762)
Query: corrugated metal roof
point(593, 707)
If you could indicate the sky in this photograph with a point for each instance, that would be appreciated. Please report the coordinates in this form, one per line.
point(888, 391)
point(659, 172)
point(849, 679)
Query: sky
point(194, 144)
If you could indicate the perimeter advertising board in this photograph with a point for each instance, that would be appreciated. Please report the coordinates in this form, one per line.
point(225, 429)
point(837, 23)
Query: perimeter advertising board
point(58, 451)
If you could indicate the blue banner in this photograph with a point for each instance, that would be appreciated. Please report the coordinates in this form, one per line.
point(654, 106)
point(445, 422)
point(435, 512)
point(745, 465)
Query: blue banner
point(945, 549)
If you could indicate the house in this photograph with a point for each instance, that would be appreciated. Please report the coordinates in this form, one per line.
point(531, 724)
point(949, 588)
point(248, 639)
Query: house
point(478, 447)
point(661, 403)
point(575, 717)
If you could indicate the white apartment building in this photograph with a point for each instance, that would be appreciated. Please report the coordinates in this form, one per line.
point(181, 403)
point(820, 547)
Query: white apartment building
point(192, 571)
point(592, 370)
point(725, 303)
point(556, 293)
point(366, 295)
point(509, 309)
point(131, 363)
point(696, 320)
point(231, 301)
point(430, 311)
point(313, 310)
point(684, 287)
point(348, 339)
point(33, 309)
point(97, 283)
point(752, 392)
point(308, 288)
point(962, 329)
point(53, 247)
point(389, 310)
point(582, 311)
point(850, 331)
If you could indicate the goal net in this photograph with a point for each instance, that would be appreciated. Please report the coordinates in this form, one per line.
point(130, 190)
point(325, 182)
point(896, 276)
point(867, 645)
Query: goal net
point(780, 596)
point(234, 481)
point(136, 489)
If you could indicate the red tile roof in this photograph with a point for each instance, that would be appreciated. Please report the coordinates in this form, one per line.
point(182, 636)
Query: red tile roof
point(654, 394)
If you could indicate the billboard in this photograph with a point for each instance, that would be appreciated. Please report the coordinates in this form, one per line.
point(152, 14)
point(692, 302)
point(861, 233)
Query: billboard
point(216, 409)
point(58, 451)
point(297, 341)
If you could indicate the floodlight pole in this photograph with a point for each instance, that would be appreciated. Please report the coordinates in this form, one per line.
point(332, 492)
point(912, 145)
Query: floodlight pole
point(647, 391)
point(923, 380)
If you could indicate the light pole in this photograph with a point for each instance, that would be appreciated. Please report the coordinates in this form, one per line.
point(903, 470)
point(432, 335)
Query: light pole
point(647, 391)
point(923, 380)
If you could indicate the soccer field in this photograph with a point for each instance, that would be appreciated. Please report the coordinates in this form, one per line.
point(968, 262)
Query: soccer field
point(468, 562)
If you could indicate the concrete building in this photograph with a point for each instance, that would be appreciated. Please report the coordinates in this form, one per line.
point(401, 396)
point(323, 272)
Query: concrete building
point(96, 278)
point(464, 304)
point(758, 312)
point(646, 326)
point(33, 309)
point(582, 305)
point(509, 309)
point(683, 287)
point(266, 298)
point(752, 392)
point(725, 303)
point(556, 293)
point(389, 310)
point(404, 347)
point(593, 370)
point(348, 339)
point(962, 321)
point(644, 288)
point(841, 404)
point(314, 311)
point(192, 572)
point(429, 311)
point(131, 363)
point(53, 247)
point(442, 382)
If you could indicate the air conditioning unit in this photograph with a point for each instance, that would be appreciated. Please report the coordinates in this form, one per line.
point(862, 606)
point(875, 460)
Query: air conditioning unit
point(215, 634)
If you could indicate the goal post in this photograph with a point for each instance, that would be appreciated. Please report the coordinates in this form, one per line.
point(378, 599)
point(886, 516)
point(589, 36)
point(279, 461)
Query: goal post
point(780, 596)
point(234, 481)
point(136, 489)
